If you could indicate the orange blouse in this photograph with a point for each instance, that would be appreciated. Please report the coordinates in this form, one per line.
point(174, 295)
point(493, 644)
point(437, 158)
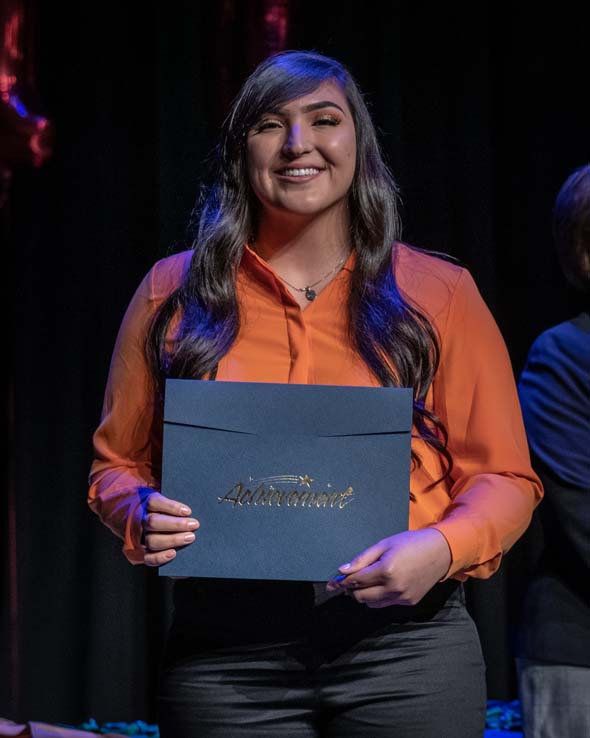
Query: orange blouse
point(482, 510)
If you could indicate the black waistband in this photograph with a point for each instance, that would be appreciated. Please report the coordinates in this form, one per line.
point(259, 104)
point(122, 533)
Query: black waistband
point(213, 614)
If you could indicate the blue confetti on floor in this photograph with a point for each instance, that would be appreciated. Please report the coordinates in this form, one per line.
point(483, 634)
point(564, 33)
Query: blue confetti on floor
point(503, 720)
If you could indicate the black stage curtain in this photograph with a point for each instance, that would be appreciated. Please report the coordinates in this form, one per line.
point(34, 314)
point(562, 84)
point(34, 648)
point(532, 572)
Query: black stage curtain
point(482, 116)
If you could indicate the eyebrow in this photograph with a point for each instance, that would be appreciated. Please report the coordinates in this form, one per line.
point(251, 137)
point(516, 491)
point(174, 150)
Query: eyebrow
point(313, 106)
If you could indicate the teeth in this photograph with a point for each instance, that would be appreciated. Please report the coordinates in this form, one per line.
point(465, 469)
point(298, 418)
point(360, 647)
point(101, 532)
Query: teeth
point(300, 172)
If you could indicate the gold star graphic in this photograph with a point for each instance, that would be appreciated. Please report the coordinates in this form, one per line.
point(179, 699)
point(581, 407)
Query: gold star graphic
point(305, 479)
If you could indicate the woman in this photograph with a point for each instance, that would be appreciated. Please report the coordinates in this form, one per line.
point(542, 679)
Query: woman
point(297, 276)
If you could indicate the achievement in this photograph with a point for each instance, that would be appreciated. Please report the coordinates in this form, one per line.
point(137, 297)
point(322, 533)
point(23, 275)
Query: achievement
point(288, 481)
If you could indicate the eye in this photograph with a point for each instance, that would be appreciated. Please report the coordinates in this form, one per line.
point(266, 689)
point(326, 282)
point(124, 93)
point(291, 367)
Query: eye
point(327, 120)
point(267, 124)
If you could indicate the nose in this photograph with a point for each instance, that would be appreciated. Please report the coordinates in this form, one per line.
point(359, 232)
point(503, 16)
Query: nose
point(296, 142)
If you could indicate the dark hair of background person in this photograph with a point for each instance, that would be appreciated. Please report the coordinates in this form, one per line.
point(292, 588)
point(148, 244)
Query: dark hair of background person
point(571, 228)
point(394, 338)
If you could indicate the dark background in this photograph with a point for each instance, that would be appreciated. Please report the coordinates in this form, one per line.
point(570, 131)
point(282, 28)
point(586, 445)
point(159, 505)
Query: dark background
point(482, 117)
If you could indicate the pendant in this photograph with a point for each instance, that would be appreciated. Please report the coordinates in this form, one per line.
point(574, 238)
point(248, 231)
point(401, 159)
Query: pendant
point(310, 294)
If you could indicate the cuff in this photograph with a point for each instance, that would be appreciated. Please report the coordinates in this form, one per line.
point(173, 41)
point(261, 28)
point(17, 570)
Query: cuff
point(462, 539)
point(133, 548)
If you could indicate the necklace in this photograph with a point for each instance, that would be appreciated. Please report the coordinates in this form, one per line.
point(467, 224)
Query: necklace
point(308, 290)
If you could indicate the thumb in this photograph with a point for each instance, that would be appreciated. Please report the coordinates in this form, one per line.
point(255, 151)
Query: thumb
point(365, 558)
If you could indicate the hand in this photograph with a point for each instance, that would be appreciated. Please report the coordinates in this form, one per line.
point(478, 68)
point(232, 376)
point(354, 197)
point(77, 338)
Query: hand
point(398, 570)
point(166, 526)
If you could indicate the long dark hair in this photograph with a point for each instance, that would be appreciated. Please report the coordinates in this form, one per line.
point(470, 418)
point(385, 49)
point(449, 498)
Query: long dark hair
point(394, 338)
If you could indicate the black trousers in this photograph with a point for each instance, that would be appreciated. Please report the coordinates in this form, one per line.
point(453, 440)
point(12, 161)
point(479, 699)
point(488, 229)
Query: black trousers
point(344, 671)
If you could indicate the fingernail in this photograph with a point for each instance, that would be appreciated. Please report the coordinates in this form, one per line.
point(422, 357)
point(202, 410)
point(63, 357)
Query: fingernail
point(344, 567)
point(185, 510)
point(192, 524)
point(189, 537)
point(171, 554)
point(339, 578)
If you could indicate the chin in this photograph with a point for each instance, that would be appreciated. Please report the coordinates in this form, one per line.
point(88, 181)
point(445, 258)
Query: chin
point(308, 208)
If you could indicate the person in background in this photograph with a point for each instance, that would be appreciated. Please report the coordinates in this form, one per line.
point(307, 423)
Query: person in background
point(297, 275)
point(553, 650)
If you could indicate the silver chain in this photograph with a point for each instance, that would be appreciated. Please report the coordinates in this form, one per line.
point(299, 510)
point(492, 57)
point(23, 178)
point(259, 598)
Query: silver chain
point(310, 293)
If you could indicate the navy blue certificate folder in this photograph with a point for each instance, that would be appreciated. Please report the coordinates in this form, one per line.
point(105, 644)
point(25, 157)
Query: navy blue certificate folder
point(287, 481)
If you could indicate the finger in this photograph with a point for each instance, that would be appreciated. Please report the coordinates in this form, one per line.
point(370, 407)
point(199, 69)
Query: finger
point(374, 596)
point(160, 558)
point(365, 558)
point(370, 576)
point(159, 503)
point(166, 541)
point(167, 523)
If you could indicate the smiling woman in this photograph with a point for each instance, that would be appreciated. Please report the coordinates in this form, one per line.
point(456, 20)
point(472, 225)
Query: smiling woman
point(302, 157)
point(301, 164)
point(297, 276)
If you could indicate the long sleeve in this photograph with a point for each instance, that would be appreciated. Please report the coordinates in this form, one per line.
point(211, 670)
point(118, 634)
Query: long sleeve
point(127, 444)
point(554, 390)
point(494, 489)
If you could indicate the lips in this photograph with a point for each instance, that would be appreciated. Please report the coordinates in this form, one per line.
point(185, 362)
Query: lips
point(299, 171)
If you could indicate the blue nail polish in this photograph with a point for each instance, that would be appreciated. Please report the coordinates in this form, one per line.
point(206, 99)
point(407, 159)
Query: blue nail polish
point(340, 577)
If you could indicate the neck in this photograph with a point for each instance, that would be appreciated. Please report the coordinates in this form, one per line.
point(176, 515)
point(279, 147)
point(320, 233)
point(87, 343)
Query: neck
point(301, 249)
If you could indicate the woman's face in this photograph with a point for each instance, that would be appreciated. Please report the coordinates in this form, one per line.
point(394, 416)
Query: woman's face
point(302, 157)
